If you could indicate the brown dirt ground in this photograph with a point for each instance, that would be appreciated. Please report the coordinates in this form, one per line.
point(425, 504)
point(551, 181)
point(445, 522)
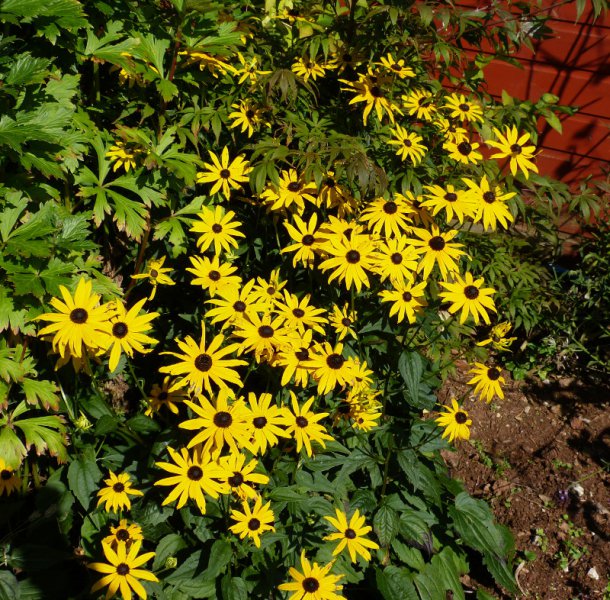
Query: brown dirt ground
point(538, 458)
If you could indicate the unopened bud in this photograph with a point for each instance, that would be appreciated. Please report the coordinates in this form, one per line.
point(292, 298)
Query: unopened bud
point(171, 562)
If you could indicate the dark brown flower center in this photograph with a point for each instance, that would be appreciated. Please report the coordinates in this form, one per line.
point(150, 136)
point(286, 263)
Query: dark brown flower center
point(194, 473)
point(493, 373)
point(471, 292)
point(489, 197)
point(310, 584)
point(307, 240)
point(436, 243)
point(271, 290)
point(353, 257)
point(335, 361)
point(330, 182)
point(79, 316)
point(350, 534)
point(376, 92)
point(294, 186)
point(299, 313)
point(344, 408)
point(464, 107)
point(464, 148)
point(203, 362)
point(122, 569)
point(450, 197)
point(259, 422)
point(239, 306)
point(154, 273)
point(346, 322)
point(162, 396)
point(266, 331)
point(301, 421)
point(5, 474)
point(225, 173)
point(122, 535)
point(223, 419)
point(347, 58)
point(302, 354)
point(118, 488)
point(390, 207)
point(407, 143)
point(461, 417)
point(396, 258)
point(216, 228)
point(407, 296)
point(395, 67)
point(254, 524)
point(214, 275)
point(120, 330)
point(236, 479)
point(515, 149)
point(250, 113)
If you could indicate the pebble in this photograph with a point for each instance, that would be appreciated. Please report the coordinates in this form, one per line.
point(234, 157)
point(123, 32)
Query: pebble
point(592, 573)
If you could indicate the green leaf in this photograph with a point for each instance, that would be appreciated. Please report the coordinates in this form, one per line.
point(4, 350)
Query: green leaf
point(234, 588)
point(419, 475)
point(26, 70)
point(65, 13)
point(41, 392)
point(385, 524)
point(143, 424)
point(442, 575)
point(411, 368)
point(84, 478)
point(553, 120)
point(12, 449)
point(167, 546)
point(46, 434)
point(9, 588)
point(395, 583)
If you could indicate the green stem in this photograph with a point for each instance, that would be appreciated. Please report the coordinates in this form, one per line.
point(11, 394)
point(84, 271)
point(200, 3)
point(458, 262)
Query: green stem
point(138, 384)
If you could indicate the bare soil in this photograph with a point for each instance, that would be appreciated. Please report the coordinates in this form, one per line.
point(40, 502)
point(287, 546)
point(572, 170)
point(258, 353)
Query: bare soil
point(541, 458)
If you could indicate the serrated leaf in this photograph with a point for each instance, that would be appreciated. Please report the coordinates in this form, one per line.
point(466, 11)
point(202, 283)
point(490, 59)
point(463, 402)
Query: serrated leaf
point(411, 368)
point(41, 392)
point(167, 546)
point(12, 449)
point(385, 524)
point(234, 588)
point(26, 70)
point(45, 434)
point(395, 583)
point(84, 478)
point(9, 587)
point(441, 576)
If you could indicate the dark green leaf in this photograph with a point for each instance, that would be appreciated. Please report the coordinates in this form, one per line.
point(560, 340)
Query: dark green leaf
point(84, 478)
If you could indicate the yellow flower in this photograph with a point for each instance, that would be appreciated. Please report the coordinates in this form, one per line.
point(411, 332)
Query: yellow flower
point(392, 217)
point(224, 174)
point(464, 152)
point(455, 203)
point(303, 424)
point(265, 420)
point(396, 259)
point(306, 68)
point(370, 89)
point(235, 304)
point(489, 204)
point(207, 61)
point(246, 116)
point(343, 321)
point(455, 421)
point(397, 67)
point(212, 275)
point(437, 248)
point(299, 314)
point(329, 367)
point(239, 476)
point(420, 103)
point(468, 296)
point(122, 571)
point(122, 156)
point(253, 522)
point(513, 146)
point(156, 274)
point(291, 194)
point(304, 236)
point(116, 494)
point(294, 359)
point(407, 300)
point(162, 396)
point(409, 144)
point(497, 337)
point(487, 381)
point(263, 335)
point(314, 583)
point(123, 533)
point(9, 482)
point(218, 228)
point(463, 109)
point(249, 70)
point(351, 535)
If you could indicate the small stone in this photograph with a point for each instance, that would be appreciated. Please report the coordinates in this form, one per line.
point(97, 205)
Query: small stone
point(593, 574)
point(577, 490)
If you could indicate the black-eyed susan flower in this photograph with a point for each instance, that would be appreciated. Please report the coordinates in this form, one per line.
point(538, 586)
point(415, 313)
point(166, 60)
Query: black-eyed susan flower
point(339, 230)
point(9, 482)
point(351, 535)
point(313, 583)
point(305, 68)
point(397, 259)
point(455, 421)
point(240, 477)
point(117, 491)
point(463, 109)
point(304, 236)
point(123, 533)
point(455, 202)
point(387, 217)
point(467, 295)
point(266, 421)
point(212, 275)
point(436, 248)
point(248, 71)
point(162, 395)
point(487, 381)
point(219, 423)
point(361, 376)
point(333, 195)
point(407, 300)
point(192, 477)
point(512, 146)
point(420, 103)
point(372, 90)
point(79, 322)
point(396, 67)
point(268, 290)
point(122, 156)
point(122, 571)
point(216, 66)
point(299, 314)
point(490, 204)
point(498, 337)
point(217, 228)
point(329, 367)
point(156, 273)
point(291, 194)
point(234, 304)
point(365, 417)
point(451, 130)
point(349, 260)
point(464, 152)
point(126, 332)
point(263, 335)
point(408, 144)
point(253, 522)
point(302, 424)
point(247, 116)
point(225, 174)
point(343, 321)
point(293, 359)
point(199, 366)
